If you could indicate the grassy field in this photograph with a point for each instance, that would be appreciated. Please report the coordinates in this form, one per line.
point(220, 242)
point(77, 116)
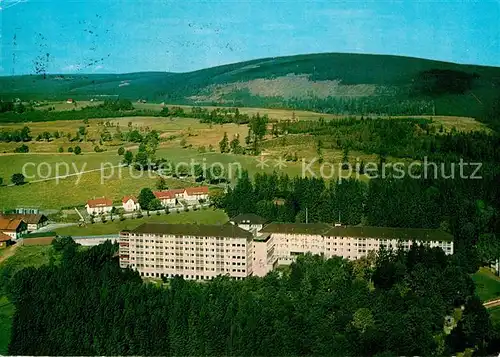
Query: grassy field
point(208, 216)
point(115, 183)
point(487, 284)
point(495, 316)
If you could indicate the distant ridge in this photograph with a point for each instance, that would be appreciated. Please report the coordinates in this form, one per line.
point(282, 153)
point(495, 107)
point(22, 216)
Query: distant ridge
point(330, 82)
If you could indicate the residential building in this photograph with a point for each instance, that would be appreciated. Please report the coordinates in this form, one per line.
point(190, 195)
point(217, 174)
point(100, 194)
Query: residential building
point(167, 198)
point(5, 240)
point(192, 195)
point(99, 205)
point(285, 241)
point(14, 228)
point(249, 222)
point(130, 204)
point(193, 251)
point(33, 221)
point(195, 194)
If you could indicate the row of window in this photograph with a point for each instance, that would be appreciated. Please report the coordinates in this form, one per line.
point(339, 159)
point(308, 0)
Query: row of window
point(187, 276)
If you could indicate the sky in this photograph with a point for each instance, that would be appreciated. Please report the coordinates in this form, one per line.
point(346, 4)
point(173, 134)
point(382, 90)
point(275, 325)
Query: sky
point(121, 36)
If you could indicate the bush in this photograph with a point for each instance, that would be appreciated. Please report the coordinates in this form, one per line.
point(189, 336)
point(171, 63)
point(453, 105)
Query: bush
point(61, 149)
point(22, 149)
point(121, 151)
point(70, 149)
point(18, 179)
point(78, 150)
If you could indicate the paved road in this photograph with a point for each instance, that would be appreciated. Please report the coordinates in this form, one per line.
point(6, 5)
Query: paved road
point(52, 226)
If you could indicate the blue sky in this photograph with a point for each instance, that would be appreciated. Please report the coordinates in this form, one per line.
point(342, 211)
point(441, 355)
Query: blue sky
point(110, 36)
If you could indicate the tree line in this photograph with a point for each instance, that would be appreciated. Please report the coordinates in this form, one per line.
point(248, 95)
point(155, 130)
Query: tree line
point(403, 138)
point(85, 304)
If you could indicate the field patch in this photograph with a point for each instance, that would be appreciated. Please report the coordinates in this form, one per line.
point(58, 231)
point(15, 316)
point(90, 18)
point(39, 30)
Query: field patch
point(487, 284)
point(208, 216)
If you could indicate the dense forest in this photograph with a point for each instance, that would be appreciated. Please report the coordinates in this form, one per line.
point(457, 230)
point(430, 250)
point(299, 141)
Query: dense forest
point(87, 305)
point(404, 138)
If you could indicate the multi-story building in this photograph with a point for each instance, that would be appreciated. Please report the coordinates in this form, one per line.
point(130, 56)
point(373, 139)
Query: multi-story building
point(193, 251)
point(202, 252)
point(283, 242)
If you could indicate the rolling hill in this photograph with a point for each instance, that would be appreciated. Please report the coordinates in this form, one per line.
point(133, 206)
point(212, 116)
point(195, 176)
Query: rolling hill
point(333, 83)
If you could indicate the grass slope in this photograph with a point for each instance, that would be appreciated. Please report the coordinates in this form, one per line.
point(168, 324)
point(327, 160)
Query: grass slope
point(208, 216)
point(380, 74)
point(487, 284)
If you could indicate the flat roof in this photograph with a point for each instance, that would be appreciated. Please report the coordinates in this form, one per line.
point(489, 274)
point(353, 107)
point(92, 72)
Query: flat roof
point(197, 230)
point(296, 228)
point(418, 234)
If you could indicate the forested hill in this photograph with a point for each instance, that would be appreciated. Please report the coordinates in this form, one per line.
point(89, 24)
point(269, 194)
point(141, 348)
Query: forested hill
point(330, 82)
point(393, 304)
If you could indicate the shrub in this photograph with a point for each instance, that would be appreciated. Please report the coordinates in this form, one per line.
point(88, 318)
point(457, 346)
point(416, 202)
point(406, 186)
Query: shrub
point(61, 149)
point(78, 150)
point(70, 149)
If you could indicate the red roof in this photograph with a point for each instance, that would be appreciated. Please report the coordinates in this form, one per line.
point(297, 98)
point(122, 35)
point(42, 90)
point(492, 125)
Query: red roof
point(100, 202)
point(9, 224)
point(197, 190)
point(4, 237)
point(164, 195)
point(127, 198)
point(176, 191)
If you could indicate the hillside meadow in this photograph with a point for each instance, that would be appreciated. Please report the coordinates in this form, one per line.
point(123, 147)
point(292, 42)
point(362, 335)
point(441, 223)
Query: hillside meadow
point(207, 216)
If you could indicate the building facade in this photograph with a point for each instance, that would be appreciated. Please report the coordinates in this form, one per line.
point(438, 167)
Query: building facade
point(130, 204)
point(193, 251)
point(33, 221)
point(167, 198)
point(14, 228)
point(287, 241)
point(99, 206)
point(5, 240)
point(201, 252)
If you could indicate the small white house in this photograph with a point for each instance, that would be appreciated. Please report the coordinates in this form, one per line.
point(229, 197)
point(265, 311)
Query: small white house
point(167, 198)
point(249, 222)
point(130, 204)
point(99, 205)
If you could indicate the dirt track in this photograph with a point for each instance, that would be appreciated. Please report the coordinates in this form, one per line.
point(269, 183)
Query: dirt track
point(8, 252)
point(492, 303)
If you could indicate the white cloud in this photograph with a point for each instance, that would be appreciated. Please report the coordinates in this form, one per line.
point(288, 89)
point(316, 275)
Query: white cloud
point(71, 68)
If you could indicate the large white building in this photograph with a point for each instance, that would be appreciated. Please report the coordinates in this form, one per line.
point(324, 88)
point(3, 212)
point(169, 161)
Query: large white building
point(193, 251)
point(281, 243)
point(202, 252)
